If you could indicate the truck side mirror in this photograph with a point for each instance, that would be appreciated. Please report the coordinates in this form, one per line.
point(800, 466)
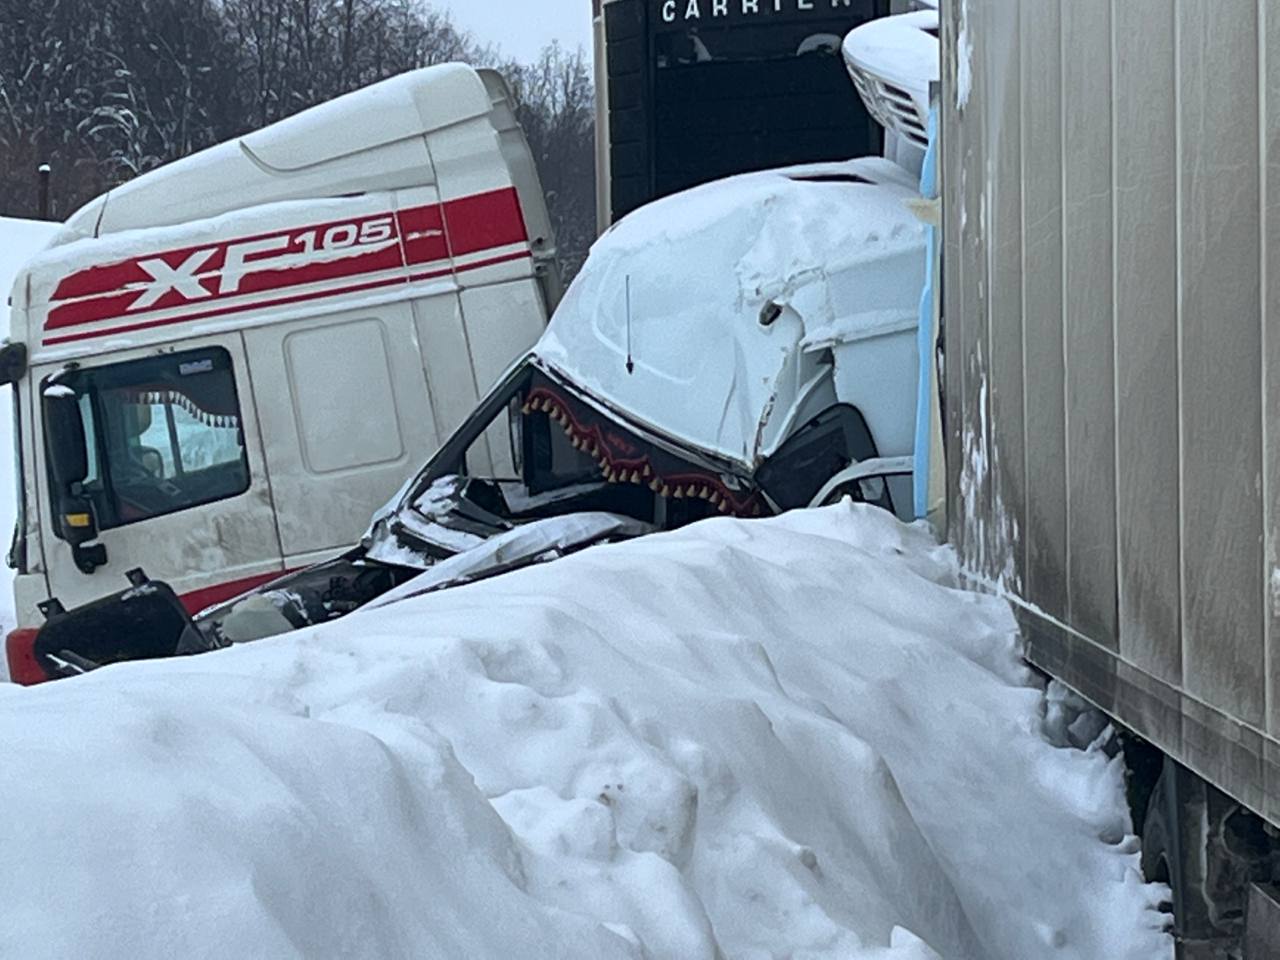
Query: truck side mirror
point(64, 436)
point(69, 467)
point(13, 363)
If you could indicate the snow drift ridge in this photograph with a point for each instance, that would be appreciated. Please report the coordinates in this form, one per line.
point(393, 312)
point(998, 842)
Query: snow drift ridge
point(791, 737)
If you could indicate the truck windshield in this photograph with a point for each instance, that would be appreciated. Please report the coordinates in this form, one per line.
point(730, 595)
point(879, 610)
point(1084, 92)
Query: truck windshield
point(163, 434)
point(558, 455)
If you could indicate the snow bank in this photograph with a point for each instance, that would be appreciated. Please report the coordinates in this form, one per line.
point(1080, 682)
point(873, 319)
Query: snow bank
point(19, 241)
point(745, 739)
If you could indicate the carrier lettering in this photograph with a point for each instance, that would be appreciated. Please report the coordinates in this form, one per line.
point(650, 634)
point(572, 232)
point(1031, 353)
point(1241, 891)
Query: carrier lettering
point(685, 11)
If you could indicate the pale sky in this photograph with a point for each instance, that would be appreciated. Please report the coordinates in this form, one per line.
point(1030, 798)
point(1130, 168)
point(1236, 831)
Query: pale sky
point(523, 27)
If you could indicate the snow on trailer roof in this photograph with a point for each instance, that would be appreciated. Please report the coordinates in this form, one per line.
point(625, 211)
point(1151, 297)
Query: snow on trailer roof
point(712, 292)
point(292, 159)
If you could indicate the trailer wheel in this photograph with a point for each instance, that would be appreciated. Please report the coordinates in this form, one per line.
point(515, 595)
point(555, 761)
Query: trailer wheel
point(1159, 853)
point(1208, 849)
point(1175, 848)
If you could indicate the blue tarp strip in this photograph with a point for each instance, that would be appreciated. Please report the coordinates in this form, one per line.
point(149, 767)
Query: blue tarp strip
point(924, 335)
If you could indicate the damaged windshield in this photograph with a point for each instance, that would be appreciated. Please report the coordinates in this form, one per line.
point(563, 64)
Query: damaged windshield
point(537, 472)
point(537, 449)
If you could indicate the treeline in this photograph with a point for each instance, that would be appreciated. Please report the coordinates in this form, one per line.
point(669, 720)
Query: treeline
point(103, 90)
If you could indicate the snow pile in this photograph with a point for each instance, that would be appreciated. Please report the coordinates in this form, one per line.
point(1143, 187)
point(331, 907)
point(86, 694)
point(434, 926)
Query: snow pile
point(746, 739)
point(19, 241)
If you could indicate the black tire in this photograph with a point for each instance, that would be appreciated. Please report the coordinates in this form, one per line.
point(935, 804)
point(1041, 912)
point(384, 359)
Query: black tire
point(1159, 851)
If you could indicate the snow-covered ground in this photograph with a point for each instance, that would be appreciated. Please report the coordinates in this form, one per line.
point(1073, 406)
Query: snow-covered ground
point(19, 240)
point(746, 739)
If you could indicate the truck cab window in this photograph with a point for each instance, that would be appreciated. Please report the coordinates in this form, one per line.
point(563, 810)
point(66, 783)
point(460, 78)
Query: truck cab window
point(162, 434)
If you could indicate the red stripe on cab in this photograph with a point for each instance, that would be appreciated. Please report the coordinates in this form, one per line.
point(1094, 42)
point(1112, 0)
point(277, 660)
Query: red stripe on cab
point(202, 276)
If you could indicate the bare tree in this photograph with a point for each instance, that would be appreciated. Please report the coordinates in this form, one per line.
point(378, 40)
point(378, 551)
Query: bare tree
point(105, 90)
point(556, 108)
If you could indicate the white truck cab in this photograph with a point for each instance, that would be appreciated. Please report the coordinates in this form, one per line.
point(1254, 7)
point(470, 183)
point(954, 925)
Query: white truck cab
point(222, 368)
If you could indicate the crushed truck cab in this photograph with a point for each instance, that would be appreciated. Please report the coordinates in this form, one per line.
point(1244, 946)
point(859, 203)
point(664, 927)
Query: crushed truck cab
point(224, 366)
point(729, 316)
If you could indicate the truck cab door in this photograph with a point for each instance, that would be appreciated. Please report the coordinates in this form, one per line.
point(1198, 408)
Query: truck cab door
point(174, 479)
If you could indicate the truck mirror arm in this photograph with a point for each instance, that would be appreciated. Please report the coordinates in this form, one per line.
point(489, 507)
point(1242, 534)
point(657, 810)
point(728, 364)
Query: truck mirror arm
point(13, 362)
point(89, 558)
point(68, 453)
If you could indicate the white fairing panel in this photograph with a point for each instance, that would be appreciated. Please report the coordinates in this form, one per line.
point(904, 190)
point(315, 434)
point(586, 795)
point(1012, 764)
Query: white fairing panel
point(341, 408)
point(500, 317)
point(442, 339)
point(341, 385)
point(524, 172)
point(872, 339)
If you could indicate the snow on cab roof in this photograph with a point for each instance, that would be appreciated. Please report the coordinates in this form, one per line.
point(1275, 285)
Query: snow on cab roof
point(292, 159)
point(724, 282)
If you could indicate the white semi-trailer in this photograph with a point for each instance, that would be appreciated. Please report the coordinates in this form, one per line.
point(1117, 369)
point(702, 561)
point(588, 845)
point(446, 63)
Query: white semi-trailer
point(220, 369)
point(1111, 278)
